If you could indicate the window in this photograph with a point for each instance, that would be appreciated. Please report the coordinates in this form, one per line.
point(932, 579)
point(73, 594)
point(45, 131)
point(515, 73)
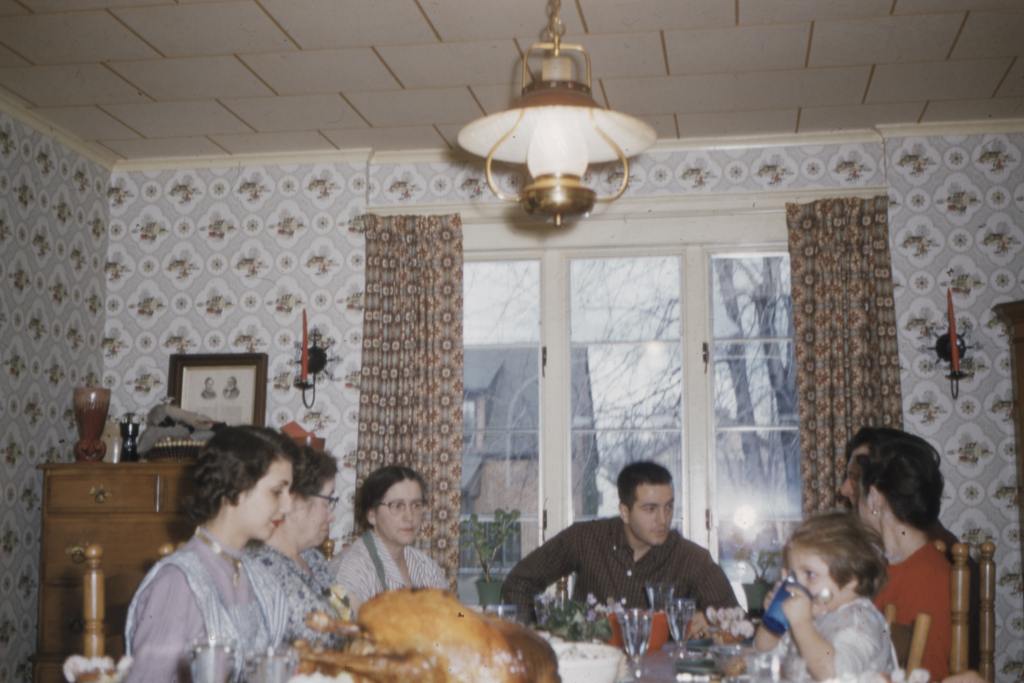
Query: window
point(580, 359)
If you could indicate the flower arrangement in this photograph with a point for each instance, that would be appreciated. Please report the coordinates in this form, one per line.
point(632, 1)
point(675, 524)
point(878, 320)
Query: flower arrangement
point(488, 538)
point(729, 624)
point(572, 620)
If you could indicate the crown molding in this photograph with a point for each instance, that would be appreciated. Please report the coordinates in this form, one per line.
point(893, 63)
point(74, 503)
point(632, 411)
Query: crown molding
point(95, 153)
point(903, 130)
point(353, 156)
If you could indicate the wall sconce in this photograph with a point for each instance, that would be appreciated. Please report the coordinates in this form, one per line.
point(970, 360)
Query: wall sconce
point(951, 349)
point(312, 361)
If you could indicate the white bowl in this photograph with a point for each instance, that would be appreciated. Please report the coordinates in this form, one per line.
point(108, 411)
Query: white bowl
point(588, 662)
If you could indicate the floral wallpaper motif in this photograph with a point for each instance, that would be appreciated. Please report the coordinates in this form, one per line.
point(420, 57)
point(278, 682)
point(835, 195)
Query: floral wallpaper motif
point(957, 213)
point(53, 216)
point(224, 260)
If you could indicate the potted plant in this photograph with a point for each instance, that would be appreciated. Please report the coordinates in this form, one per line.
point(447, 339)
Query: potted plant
point(487, 538)
point(764, 564)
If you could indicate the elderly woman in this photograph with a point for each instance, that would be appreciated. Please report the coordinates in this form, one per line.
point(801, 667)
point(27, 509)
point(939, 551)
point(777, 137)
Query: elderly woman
point(899, 497)
point(389, 510)
point(291, 555)
point(209, 588)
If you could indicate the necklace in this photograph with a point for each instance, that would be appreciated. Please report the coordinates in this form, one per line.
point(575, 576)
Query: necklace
point(204, 536)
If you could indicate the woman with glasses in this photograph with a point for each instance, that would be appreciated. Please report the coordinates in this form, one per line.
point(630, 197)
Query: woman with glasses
point(291, 554)
point(389, 510)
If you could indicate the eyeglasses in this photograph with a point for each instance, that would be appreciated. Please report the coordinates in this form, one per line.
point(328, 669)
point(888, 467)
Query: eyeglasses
point(397, 507)
point(332, 501)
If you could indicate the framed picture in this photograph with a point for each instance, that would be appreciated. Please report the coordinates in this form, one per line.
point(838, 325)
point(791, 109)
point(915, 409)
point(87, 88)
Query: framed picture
point(227, 387)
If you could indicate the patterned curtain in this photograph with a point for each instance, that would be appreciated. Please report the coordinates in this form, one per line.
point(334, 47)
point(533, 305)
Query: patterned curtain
point(848, 373)
point(410, 405)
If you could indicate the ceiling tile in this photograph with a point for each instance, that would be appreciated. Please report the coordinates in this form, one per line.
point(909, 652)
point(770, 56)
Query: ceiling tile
point(88, 123)
point(737, 123)
point(730, 92)
point(8, 58)
point(975, 110)
point(43, 6)
point(618, 55)
point(268, 143)
point(10, 8)
point(495, 98)
point(317, 24)
point(991, 34)
point(468, 20)
point(72, 38)
point(1013, 85)
point(663, 124)
point(440, 65)
point(617, 16)
point(215, 29)
point(167, 147)
point(932, 6)
point(178, 119)
point(788, 11)
point(200, 78)
point(9, 96)
point(321, 71)
point(65, 85)
point(889, 39)
point(412, 107)
point(295, 112)
point(737, 49)
point(399, 138)
point(858, 116)
point(935, 80)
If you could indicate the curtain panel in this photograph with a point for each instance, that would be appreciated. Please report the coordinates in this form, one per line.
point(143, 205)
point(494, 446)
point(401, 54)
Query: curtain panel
point(848, 373)
point(410, 406)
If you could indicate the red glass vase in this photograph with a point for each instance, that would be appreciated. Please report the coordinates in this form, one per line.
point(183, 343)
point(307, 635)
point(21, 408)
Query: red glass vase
point(91, 405)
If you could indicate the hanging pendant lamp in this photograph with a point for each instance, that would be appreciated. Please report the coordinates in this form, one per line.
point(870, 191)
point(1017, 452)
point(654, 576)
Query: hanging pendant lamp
point(556, 128)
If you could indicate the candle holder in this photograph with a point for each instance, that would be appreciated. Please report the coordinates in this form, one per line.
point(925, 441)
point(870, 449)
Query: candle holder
point(315, 362)
point(944, 350)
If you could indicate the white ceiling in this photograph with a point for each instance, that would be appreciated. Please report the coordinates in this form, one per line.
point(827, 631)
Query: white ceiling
point(140, 79)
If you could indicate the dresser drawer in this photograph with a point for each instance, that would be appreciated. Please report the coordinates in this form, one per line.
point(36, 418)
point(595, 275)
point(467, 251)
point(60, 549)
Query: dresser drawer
point(115, 492)
point(61, 625)
point(130, 544)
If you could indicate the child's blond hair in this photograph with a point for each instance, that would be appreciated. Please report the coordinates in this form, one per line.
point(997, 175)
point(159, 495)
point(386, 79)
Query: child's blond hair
point(849, 548)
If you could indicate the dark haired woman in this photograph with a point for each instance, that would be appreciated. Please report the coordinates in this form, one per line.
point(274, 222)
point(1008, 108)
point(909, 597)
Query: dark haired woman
point(389, 510)
point(291, 554)
point(900, 494)
point(209, 588)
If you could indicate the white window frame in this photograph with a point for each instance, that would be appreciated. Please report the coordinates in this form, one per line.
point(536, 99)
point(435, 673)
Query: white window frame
point(693, 236)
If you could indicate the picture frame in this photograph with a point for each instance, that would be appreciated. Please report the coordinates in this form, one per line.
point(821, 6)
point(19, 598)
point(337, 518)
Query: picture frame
point(226, 387)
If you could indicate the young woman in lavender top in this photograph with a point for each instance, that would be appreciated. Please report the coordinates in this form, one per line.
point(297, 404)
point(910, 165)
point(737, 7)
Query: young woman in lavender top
point(292, 554)
point(389, 509)
point(208, 588)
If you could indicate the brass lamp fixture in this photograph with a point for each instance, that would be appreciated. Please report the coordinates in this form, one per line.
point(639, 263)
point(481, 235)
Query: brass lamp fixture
point(556, 128)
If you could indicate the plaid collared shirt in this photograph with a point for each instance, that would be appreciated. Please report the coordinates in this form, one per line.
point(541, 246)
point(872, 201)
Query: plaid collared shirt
point(599, 555)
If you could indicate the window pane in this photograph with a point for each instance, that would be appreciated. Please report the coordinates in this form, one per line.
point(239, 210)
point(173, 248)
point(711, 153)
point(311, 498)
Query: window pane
point(500, 465)
point(626, 386)
point(630, 299)
point(755, 384)
point(597, 458)
point(750, 297)
point(501, 301)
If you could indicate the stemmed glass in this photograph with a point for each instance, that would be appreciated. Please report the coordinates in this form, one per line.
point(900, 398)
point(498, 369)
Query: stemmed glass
point(680, 612)
point(636, 632)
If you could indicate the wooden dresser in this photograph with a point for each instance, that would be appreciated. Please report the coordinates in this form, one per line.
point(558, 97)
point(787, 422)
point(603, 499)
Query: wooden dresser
point(130, 509)
point(1012, 314)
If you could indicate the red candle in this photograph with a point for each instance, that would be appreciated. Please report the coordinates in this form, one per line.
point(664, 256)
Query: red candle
point(305, 349)
point(954, 351)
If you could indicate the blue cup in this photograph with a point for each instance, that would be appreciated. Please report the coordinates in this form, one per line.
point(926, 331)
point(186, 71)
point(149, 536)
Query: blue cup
point(774, 619)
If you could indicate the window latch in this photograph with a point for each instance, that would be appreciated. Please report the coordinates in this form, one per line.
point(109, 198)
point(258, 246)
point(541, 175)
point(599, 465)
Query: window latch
point(543, 360)
point(705, 355)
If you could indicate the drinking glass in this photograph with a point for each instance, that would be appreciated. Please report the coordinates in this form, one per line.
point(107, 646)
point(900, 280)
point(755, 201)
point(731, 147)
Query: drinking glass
point(680, 612)
point(506, 612)
point(276, 665)
point(213, 661)
point(659, 595)
point(636, 631)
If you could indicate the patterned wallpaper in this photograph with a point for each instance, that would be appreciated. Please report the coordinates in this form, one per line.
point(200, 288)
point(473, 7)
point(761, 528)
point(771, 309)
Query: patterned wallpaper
point(957, 215)
point(219, 260)
point(53, 237)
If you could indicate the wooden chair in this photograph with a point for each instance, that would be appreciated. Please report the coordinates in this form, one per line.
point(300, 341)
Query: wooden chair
point(94, 609)
point(959, 587)
point(908, 640)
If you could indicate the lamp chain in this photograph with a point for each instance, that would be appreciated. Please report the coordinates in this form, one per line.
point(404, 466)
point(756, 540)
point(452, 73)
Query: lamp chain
point(555, 28)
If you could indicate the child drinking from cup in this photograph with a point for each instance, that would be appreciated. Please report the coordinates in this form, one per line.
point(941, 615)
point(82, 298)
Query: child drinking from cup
point(834, 630)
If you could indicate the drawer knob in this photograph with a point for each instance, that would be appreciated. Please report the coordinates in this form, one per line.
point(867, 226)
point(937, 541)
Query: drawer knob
point(99, 494)
point(76, 553)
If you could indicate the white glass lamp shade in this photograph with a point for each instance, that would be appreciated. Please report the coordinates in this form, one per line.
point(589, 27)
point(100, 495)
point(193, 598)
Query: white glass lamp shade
point(543, 130)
